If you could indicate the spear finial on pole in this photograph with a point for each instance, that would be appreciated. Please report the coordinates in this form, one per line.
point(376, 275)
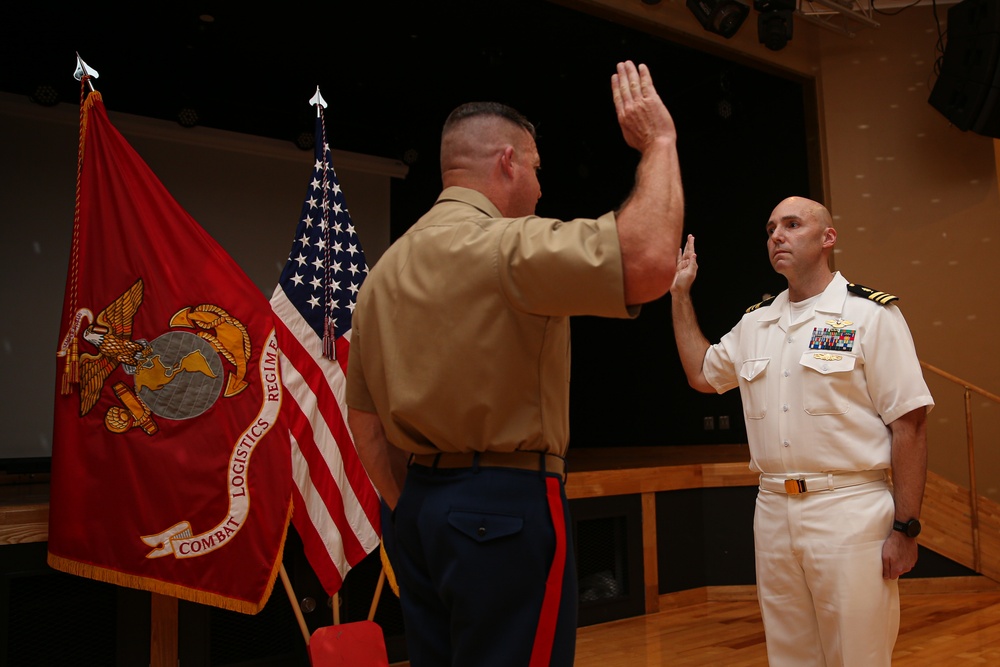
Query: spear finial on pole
point(317, 101)
point(82, 70)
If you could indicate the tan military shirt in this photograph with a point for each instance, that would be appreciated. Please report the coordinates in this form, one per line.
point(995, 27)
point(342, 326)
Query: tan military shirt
point(461, 337)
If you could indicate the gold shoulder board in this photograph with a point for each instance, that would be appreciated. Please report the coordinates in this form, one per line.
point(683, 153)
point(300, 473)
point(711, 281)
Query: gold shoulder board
point(883, 298)
point(762, 304)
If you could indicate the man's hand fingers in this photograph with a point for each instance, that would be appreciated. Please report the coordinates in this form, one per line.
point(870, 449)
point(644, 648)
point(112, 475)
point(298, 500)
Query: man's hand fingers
point(646, 81)
point(628, 81)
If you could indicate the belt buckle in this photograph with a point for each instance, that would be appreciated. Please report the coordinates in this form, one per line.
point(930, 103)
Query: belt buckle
point(793, 487)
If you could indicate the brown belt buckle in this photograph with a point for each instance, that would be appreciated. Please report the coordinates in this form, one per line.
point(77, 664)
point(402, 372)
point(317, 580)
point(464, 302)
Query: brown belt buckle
point(794, 487)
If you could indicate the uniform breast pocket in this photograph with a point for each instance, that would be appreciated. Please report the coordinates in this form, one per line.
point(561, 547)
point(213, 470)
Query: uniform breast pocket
point(753, 387)
point(826, 382)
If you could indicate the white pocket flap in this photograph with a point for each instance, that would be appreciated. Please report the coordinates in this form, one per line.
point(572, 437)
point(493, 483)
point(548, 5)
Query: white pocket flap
point(826, 362)
point(752, 368)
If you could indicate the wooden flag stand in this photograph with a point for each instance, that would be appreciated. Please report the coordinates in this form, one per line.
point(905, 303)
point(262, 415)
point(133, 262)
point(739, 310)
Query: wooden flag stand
point(358, 644)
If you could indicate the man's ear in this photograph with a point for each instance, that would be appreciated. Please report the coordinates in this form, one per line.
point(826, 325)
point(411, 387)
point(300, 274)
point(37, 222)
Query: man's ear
point(829, 237)
point(507, 161)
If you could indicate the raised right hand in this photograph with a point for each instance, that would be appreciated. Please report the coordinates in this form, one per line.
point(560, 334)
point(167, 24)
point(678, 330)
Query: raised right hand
point(641, 113)
point(687, 268)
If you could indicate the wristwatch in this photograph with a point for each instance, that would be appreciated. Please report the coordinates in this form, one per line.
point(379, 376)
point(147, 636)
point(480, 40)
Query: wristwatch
point(909, 528)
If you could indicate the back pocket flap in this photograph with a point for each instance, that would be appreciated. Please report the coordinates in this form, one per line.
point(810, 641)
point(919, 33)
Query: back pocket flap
point(483, 527)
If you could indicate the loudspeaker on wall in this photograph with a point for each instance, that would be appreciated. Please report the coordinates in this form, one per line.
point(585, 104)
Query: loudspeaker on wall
point(967, 90)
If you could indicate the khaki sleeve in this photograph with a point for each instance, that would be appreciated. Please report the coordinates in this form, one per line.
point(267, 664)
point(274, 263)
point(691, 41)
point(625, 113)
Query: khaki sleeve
point(358, 396)
point(554, 268)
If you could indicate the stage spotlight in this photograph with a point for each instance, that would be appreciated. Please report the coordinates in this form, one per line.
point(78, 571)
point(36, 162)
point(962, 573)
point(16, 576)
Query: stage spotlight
point(723, 17)
point(306, 141)
point(187, 117)
point(774, 22)
point(45, 95)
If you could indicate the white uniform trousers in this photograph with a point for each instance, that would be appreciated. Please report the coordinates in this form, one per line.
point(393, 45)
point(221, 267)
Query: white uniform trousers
point(819, 577)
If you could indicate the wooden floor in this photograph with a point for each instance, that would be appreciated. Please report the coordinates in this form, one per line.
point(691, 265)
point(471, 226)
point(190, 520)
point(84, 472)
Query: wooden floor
point(935, 629)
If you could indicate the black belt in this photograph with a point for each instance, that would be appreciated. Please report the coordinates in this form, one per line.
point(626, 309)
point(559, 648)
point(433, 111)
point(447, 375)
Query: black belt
point(540, 461)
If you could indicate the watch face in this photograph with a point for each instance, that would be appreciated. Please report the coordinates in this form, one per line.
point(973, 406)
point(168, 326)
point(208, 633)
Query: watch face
point(909, 528)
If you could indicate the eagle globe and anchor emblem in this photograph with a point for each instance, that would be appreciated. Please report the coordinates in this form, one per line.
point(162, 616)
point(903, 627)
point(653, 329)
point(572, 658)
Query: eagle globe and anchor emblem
point(178, 375)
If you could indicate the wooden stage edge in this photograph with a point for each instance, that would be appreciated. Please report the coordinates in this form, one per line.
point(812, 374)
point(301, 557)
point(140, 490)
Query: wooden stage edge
point(593, 472)
point(614, 471)
point(921, 586)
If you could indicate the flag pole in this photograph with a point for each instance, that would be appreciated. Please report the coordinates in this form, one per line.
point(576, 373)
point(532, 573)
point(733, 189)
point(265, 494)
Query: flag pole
point(83, 70)
point(295, 604)
point(378, 594)
point(318, 101)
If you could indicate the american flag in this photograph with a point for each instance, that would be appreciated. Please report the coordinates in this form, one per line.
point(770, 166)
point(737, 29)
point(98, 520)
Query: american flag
point(336, 508)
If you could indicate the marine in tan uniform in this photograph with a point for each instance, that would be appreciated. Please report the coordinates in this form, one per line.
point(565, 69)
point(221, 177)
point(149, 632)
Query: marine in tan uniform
point(458, 379)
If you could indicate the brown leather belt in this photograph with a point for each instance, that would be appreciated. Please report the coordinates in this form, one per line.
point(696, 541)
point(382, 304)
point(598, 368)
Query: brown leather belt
point(794, 483)
point(538, 461)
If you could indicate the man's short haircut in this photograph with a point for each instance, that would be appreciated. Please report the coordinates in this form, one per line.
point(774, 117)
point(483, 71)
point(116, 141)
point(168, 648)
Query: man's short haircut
point(496, 109)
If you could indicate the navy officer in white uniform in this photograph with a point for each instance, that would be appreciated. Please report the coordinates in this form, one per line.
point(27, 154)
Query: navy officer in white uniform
point(835, 407)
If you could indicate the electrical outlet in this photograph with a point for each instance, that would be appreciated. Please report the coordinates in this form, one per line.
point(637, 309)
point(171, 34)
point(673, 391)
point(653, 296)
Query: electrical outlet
point(723, 422)
point(709, 423)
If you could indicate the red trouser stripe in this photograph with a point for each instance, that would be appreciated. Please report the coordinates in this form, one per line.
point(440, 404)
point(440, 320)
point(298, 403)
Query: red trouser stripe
point(541, 652)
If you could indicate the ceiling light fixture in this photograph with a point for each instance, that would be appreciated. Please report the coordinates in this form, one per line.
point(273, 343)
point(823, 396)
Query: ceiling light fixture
point(774, 22)
point(722, 17)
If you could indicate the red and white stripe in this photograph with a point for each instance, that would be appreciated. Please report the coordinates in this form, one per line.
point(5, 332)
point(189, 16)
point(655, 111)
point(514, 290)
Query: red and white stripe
point(336, 508)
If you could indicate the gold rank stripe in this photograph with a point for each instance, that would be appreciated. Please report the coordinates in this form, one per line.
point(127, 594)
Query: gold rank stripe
point(873, 295)
point(882, 297)
point(762, 304)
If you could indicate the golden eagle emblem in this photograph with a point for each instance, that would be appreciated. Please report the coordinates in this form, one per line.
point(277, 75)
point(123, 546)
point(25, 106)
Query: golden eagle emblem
point(111, 334)
point(177, 375)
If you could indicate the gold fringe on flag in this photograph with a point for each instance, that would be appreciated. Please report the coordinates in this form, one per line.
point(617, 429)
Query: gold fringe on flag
point(173, 590)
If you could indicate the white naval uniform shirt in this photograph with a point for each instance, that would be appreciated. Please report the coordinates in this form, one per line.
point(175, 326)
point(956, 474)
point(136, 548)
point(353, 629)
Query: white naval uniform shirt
point(825, 409)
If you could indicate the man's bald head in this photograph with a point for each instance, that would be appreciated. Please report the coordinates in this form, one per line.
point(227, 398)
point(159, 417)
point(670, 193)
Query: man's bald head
point(809, 208)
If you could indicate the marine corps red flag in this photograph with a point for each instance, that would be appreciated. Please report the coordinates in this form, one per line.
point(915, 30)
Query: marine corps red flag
point(170, 469)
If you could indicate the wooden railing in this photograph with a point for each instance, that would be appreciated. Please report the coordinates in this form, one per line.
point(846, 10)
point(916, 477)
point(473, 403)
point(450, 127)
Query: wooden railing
point(969, 389)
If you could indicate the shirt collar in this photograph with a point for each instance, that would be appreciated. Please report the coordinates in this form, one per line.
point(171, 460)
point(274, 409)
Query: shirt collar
point(471, 197)
point(833, 297)
point(831, 300)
